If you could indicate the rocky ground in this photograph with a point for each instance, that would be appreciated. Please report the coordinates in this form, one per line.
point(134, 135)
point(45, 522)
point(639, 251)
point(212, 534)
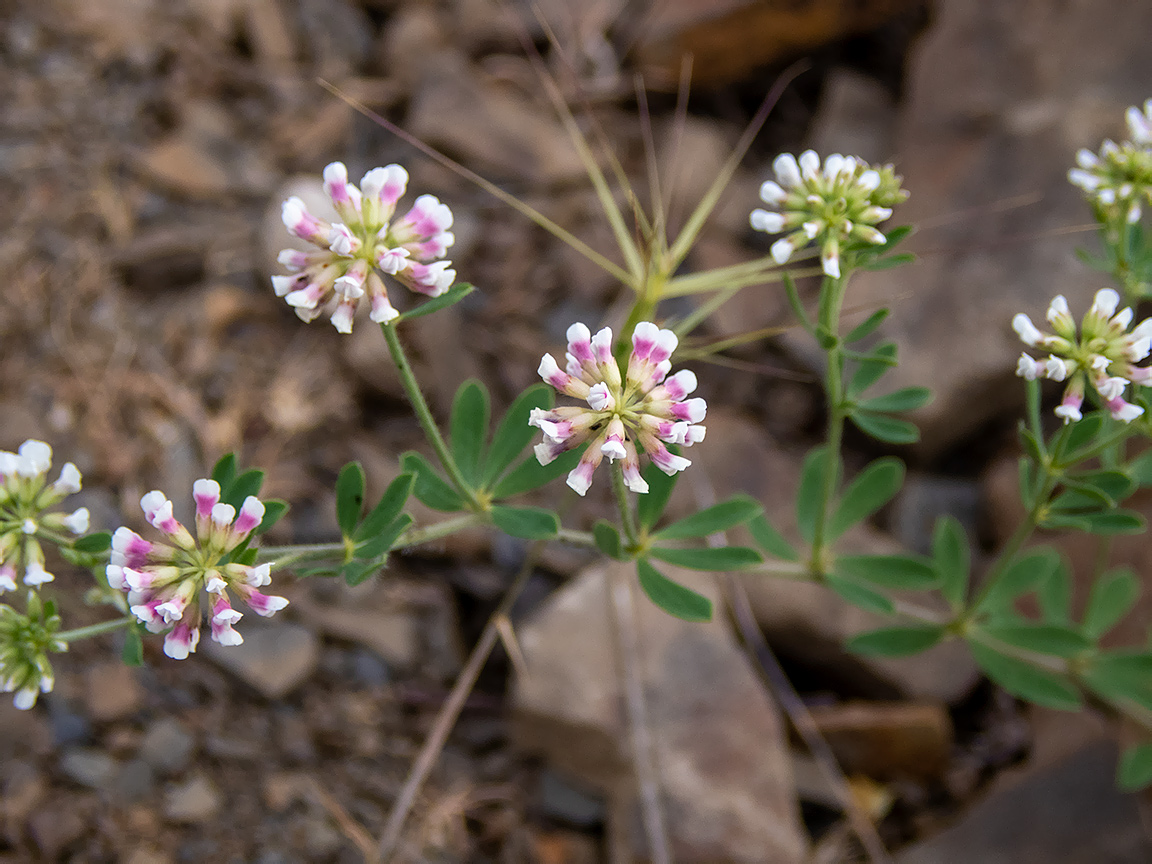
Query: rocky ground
point(144, 148)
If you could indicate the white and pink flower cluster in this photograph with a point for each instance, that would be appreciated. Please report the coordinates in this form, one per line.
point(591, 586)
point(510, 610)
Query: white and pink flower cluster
point(1104, 354)
point(833, 204)
point(25, 496)
point(354, 253)
point(164, 580)
point(1118, 179)
point(643, 405)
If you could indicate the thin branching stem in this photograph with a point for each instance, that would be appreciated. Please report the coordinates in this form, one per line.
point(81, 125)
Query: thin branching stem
point(91, 630)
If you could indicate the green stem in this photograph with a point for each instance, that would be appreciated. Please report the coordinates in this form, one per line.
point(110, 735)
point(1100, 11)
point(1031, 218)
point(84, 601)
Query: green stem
point(424, 415)
point(833, 299)
point(627, 518)
point(94, 629)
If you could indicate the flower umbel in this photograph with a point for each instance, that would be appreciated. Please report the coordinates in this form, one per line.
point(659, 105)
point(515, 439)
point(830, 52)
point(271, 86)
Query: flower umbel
point(644, 405)
point(834, 205)
point(25, 496)
point(1118, 179)
point(1104, 354)
point(352, 255)
point(164, 579)
point(25, 641)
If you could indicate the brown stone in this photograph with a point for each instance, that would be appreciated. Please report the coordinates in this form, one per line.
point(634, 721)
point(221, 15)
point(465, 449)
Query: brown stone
point(112, 691)
point(888, 740)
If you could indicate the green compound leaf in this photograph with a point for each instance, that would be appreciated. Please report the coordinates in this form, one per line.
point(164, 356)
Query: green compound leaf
point(449, 298)
point(1135, 769)
point(241, 487)
point(953, 557)
point(896, 641)
point(1081, 433)
point(719, 517)
point(872, 368)
point(672, 597)
point(468, 429)
point(1022, 575)
point(1026, 681)
point(530, 523)
point(1041, 638)
point(224, 471)
point(132, 654)
point(907, 572)
point(651, 505)
point(389, 506)
point(873, 487)
point(1111, 598)
point(904, 399)
point(885, 428)
point(530, 474)
point(349, 497)
point(607, 539)
point(357, 572)
point(859, 595)
point(811, 491)
point(866, 327)
point(514, 434)
point(704, 558)
point(382, 543)
point(93, 544)
point(770, 540)
point(430, 488)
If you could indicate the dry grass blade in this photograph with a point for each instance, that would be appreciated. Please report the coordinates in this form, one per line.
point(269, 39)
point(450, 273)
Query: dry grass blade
point(491, 188)
point(659, 217)
point(351, 829)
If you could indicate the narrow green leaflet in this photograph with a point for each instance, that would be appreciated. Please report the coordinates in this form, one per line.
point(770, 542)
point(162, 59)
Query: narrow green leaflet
point(430, 487)
point(1021, 576)
point(1124, 676)
point(908, 572)
point(867, 326)
point(93, 543)
point(720, 517)
point(1026, 681)
point(952, 556)
point(873, 487)
point(349, 497)
point(1081, 433)
point(530, 474)
point(389, 506)
point(671, 596)
point(240, 488)
point(1041, 638)
point(890, 262)
point(607, 539)
point(224, 472)
point(1112, 596)
point(770, 540)
point(356, 572)
point(514, 434)
point(449, 298)
point(1055, 595)
point(384, 540)
point(884, 428)
point(704, 558)
point(1031, 445)
point(650, 506)
point(1115, 486)
point(896, 641)
point(132, 654)
point(904, 399)
point(1135, 770)
point(468, 429)
point(531, 523)
point(274, 508)
point(1100, 522)
point(859, 595)
point(809, 494)
point(1140, 470)
point(872, 368)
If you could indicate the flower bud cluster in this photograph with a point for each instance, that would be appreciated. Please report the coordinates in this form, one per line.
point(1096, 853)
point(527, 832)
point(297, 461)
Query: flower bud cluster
point(641, 405)
point(25, 640)
point(1118, 179)
point(165, 579)
point(25, 497)
point(353, 254)
point(831, 205)
point(1103, 354)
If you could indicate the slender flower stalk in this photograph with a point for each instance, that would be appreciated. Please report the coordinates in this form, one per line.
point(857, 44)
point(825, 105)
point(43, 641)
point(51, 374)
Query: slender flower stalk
point(352, 256)
point(165, 579)
point(643, 405)
point(1104, 354)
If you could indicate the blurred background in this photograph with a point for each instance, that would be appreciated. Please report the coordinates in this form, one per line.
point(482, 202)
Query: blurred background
point(145, 146)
